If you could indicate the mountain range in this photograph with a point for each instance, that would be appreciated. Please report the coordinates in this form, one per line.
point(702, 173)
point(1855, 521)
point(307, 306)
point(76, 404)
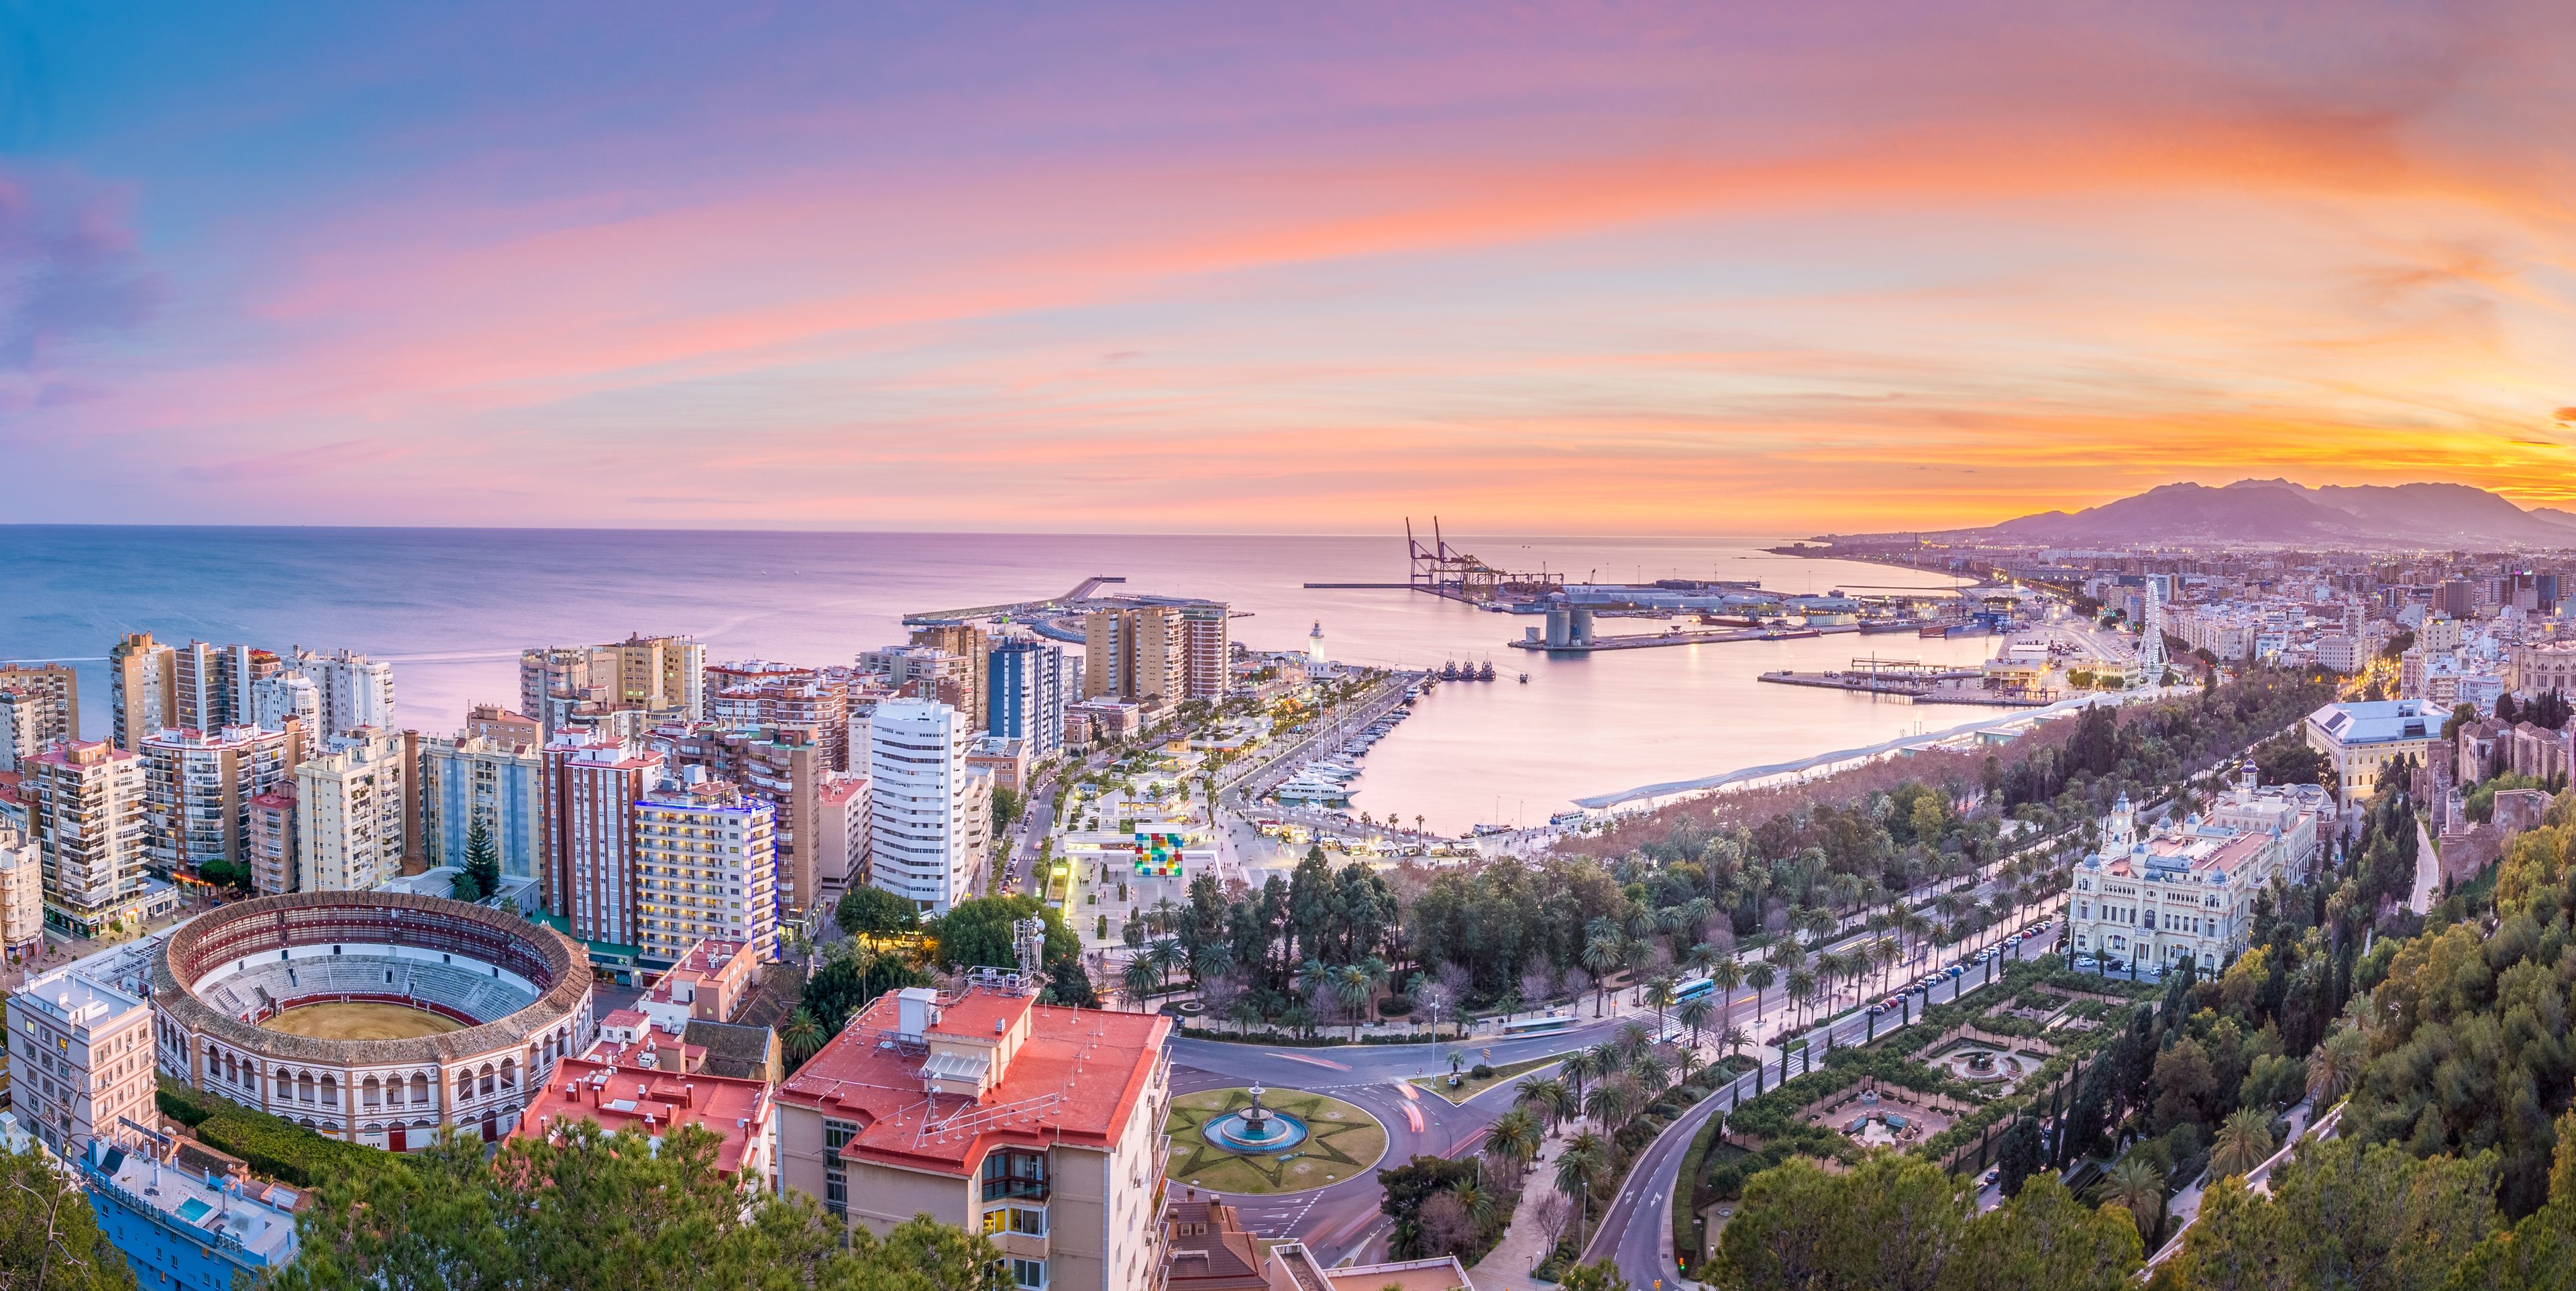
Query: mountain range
point(2278, 511)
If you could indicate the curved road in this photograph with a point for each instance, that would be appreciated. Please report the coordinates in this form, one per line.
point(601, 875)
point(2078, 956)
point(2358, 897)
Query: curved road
point(1340, 1217)
point(1636, 1229)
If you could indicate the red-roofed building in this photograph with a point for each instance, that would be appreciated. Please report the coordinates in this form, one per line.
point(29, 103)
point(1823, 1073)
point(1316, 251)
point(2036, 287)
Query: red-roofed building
point(710, 983)
point(646, 1087)
point(1041, 1127)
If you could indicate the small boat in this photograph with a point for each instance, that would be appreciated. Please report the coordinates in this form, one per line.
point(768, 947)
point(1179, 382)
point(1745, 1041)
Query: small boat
point(1486, 672)
point(1524, 679)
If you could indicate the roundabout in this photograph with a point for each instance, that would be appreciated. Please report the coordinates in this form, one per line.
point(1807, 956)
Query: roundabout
point(1256, 1141)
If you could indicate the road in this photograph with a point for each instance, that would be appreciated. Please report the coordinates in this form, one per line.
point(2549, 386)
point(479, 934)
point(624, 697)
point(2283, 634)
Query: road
point(1341, 1217)
point(1636, 1230)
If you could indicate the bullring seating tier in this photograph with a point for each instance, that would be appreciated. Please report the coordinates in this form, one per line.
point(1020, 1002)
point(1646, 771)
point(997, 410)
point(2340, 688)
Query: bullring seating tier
point(446, 988)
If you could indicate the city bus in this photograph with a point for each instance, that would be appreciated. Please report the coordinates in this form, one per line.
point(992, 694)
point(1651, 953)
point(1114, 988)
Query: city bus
point(1540, 1025)
point(1697, 988)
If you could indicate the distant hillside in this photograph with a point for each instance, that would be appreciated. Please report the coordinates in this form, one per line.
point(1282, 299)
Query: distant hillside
point(2278, 511)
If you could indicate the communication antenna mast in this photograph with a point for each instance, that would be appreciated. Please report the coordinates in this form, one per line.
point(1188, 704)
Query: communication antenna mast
point(1030, 937)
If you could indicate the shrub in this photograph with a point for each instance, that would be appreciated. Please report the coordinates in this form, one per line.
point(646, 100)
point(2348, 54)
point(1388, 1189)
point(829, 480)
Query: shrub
point(1480, 1072)
point(1394, 1006)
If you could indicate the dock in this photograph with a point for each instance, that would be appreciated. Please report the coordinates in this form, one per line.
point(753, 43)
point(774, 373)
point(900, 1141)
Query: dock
point(1683, 637)
point(1923, 686)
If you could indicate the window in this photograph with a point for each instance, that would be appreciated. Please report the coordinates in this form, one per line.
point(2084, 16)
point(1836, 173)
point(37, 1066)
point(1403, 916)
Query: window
point(1029, 1273)
point(836, 1192)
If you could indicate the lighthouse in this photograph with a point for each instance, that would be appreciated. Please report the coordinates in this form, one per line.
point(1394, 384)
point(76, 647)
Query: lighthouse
point(1315, 643)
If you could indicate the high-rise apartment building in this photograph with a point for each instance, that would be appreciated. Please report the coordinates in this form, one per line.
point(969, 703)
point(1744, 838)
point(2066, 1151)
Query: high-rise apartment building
point(22, 724)
point(268, 840)
point(784, 764)
point(841, 834)
point(197, 790)
point(22, 893)
point(662, 676)
point(971, 644)
point(756, 696)
point(919, 843)
point(592, 790)
point(1207, 650)
point(349, 813)
point(48, 700)
point(354, 690)
point(142, 687)
point(86, 810)
point(1026, 695)
point(705, 868)
point(1135, 654)
point(283, 697)
point(214, 685)
point(470, 778)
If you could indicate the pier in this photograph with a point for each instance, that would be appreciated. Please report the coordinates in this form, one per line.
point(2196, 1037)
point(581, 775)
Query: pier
point(1921, 683)
point(1685, 636)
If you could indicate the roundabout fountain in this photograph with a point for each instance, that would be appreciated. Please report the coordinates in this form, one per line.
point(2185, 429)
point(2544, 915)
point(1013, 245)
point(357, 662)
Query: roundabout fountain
point(1254, 1129)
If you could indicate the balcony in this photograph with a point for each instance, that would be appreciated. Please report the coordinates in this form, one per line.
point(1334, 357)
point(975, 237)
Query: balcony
point(1027, 1246)
point(1011, 1189)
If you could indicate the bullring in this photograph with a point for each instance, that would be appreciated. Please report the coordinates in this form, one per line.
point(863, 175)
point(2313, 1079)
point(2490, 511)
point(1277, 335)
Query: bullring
point(491, 1002)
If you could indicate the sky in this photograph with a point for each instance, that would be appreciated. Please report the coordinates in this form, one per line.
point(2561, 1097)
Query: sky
point(1309, 267)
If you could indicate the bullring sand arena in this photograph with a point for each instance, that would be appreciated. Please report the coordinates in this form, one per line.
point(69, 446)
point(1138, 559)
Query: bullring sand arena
point(361, 1021)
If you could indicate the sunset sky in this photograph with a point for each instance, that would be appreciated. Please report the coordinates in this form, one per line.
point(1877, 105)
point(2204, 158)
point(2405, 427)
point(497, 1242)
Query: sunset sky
point(1711, 268)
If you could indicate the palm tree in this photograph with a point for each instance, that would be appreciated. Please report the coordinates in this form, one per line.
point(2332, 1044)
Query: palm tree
point(1735, 1040)
point(1651, 1073)
point(1802, 988)
point(802, 1034)
point(1760, 977)
point(1610, 1103)
point(1478, 1203)
point(1687, 1064)
point(2335, 1065)
point(1312, 976)
point(1578, 1067)
point(1602, 956)
point(1659, 993)
point(1545, 1097)
point(1354, 984)
point(1139, 979)
point(1585, 1156)
point(1694, 1014)
point(1636, 954)
point(1513, 1138)
point(2134, 1185)
point(1726, 974)
point(2243, 1140)
point(1164, 955)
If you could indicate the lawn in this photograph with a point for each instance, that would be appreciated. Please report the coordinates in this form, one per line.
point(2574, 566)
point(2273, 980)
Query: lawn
point(1341, 1141)
point(1469, 1086)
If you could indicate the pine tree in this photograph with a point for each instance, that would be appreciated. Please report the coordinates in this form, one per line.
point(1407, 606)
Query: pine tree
point(482, 874)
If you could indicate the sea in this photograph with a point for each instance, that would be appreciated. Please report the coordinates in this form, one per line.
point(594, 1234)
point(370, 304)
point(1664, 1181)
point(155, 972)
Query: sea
point(452, 608)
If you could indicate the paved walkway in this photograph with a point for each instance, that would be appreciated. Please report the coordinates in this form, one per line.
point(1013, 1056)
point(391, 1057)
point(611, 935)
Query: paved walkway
point(1523, 1246)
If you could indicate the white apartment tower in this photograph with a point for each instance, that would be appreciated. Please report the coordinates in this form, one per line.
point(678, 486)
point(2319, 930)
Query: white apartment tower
point(289, 696)
point(349, 807)
point(918, 799)
point(353, 689)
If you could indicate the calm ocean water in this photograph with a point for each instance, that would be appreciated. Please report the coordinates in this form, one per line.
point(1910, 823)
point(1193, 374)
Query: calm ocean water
point(453, 607)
